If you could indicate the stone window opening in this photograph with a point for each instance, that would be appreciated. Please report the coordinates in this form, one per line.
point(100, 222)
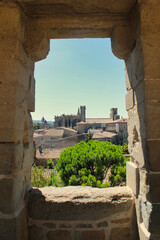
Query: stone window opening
point(25, 32)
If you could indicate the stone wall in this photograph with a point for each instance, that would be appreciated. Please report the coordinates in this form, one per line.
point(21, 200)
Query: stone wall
point(79, 213)
point(143, 106)
point(25, 30)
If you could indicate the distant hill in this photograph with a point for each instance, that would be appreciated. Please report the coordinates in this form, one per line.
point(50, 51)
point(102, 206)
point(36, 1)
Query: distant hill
point(49, 122)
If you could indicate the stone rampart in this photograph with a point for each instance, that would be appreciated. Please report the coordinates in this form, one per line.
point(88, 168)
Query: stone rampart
point(79, 213)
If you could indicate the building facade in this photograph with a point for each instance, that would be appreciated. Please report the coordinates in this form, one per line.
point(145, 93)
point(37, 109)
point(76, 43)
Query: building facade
point(71, 120)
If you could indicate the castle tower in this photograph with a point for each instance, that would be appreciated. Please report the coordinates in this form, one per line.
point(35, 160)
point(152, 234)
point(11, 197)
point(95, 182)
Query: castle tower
point(113, 113)
point(83, 113)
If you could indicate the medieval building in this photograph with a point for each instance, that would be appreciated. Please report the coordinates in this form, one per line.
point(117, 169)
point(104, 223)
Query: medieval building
point(71, 120)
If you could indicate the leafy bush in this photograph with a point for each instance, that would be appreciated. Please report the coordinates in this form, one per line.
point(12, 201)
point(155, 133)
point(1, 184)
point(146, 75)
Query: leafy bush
point(87, 164)
point(55, 180)
point(125, 148)
point(37, 177)
point(50, 164)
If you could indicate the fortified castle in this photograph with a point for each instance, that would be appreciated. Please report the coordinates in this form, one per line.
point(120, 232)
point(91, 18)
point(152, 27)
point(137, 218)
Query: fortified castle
point(71, 120)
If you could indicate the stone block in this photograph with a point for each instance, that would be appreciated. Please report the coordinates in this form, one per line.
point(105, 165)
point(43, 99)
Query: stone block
point(150, 186)
point(128, 85)
point(152, 89)
point(11, 157)
point(38, 45)
point(12, 123)
point(13, 227)
point(130, 100)
point(122, 220)
point(139, 93)
point(49, 225)
point(120, 234)
point(89, 235)
point(134, 65)
point(102, 224)
point(132, 177)
point(143, 233)
point(11, 22)
point(11, 94)
point(35, 233)
point(31, 95)
point(65, 225)
point(153, 116)
point(28, 156)
point(153, 148)
point(31, 102)
point(84, 225)
point(151, 216)
point(59, 235)
point(78, 203)
point(14, 191)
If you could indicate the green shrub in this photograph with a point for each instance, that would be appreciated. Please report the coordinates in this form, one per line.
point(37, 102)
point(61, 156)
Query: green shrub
point(87, 164)
point(50, 164)
point(55, 180)
point(37, 177)
point(125, 148)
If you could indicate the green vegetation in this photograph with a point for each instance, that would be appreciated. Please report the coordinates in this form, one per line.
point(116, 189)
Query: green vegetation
point(35, 126)
point(50, 164)
point(125, 148)
point(88, 164)
point(88, 137)
point(96, 164)
point(37, 177)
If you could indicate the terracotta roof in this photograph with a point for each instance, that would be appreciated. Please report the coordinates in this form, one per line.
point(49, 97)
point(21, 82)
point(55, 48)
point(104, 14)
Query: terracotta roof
point(82, 123)
point(103, 135)
point(49, 153)
point(98, 120)
point(54, 132)
point(122, 120)
point(67, 129)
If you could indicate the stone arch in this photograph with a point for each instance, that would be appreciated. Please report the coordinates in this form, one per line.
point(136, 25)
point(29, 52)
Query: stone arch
point(25, 30)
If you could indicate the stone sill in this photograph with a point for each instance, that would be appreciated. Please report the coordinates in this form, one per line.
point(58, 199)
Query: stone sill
point(78, 203)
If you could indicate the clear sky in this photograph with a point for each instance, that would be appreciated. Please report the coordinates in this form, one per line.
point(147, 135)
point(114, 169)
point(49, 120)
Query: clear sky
point(79, 72)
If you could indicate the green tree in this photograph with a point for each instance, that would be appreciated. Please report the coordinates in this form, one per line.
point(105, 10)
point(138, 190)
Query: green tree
point(88, 164)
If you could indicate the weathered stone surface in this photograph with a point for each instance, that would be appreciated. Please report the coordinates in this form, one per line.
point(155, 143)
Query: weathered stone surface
point(84, 225)
point(151, 216)
point(143, 233)
point(102, 224)
point(132, 177)
point(49, 225)
point(129, 100)
point(38, 45)
point(11, 21)
point(78, 203)
point(11, 157)
point(120, 234)
point(152, 89)
point(65, 225)
point(153, 116)
point(35, 233)
point(89, 235)
point(122, 41)
point(122, 220)
point(150, 186)
point(153, 155)
point(31, 95)
point(12, 122)
point(13, 191)
point(13, 227)
point(59, 235)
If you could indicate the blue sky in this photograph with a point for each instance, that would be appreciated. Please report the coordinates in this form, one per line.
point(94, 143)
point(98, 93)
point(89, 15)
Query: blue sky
point(79, 72)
